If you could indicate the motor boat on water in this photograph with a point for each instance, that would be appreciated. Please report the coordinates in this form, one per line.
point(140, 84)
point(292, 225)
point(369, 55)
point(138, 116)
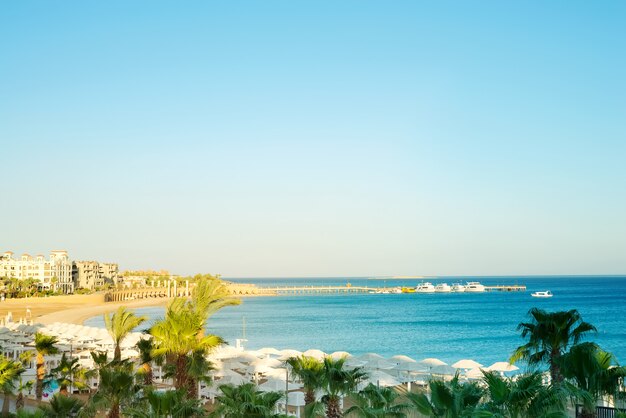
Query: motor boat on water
point(443, 288)
point(546, 294)
point(425, 287)
point(474, 287)
point(458, 288)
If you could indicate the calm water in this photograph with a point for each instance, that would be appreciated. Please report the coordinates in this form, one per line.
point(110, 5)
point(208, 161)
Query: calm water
point(446, 326)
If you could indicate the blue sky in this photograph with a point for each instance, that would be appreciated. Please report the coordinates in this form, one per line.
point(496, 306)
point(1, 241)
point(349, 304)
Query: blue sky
point(280, 138)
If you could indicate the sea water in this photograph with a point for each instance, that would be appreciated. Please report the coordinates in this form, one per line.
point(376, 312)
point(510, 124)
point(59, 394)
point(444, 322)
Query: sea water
point(453, 326)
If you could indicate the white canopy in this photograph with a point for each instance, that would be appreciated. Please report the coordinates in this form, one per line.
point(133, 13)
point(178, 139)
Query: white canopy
point(502, 366)
point(466, 364)
point(432, 362)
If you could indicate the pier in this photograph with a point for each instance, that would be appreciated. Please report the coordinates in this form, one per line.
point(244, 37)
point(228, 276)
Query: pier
point(171, 289)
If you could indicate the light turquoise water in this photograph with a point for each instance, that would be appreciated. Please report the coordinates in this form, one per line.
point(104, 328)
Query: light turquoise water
point(446, 326)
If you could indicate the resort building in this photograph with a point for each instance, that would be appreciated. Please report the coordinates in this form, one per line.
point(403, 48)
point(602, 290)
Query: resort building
point(92, 274)
point(58, 271)
point(57, 267)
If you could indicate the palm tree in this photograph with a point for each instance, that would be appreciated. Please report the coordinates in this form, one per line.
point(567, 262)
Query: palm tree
point(62, 406)
point(450, 400)
point(524, 397)
point(550, 334)
point(116, 390)
point(595, 374)
point(25, 358)
point(180, 336)
point(245, 401)
point(145, 347)
point(168, 404)
point(375, 402)
point(9, 374)
point(337, 382)
point(44, 346)
point(70, 373)
point(309, 371)
point(176, 338)
point(119, 325)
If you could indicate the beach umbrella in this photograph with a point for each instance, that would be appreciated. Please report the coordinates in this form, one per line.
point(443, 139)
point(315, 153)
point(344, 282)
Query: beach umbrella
point(432, 362)
point(379, 364)
point(370, 357)
point(233, 365)
point(466, 364)
point(340, 354)
point(277, 374)
point(402, 359)
point(275, 385)
point(224, 373)
point(245, 357)
point(475, 373)
point(267, 361)
point(259, 369)
point(316, 354)
point(232, 380)
point(502, 367)
point(443, 369)
point(224, 352)
point(379, 378)
point(270, 351)
point(411, 367)
point(288, 352)
point(355, 362)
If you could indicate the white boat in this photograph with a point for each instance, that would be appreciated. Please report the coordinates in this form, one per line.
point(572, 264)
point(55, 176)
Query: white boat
point(425, 287)
point(443, 288)
point(474, 287)
point(458, 288)
point(396, 290)
point(546, 294)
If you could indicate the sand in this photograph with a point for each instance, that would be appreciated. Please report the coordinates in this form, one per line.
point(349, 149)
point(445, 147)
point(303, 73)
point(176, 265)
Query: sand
point(70, 308)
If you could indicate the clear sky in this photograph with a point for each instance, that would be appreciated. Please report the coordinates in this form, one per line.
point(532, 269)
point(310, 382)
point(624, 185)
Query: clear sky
point(317, 138)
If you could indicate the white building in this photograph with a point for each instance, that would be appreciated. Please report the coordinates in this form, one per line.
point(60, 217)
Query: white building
point(38, 268)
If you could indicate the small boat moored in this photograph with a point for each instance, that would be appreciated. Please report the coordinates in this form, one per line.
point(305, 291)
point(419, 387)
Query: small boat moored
point(546, 294)
point(425, 287)
point(474, 287)
point(458, 288)
point(443, 288)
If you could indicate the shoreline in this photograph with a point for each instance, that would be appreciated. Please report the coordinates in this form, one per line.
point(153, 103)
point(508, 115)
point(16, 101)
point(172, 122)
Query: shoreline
point(75, 309)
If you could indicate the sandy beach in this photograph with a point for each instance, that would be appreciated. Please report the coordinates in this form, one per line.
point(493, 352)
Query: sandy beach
point(70, 308)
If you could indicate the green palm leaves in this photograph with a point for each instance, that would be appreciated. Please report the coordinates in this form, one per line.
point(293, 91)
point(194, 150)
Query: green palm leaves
point(309, 371)
point(375, 402)
point(447, 399)
point(245, 401)
point(523, 397)
point(10, 371)
point(180, 337)
point(594, 373)
point(549, 335)
point(119, 325)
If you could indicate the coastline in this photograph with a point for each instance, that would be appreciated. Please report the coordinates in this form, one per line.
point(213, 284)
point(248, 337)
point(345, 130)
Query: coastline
point(75, 309)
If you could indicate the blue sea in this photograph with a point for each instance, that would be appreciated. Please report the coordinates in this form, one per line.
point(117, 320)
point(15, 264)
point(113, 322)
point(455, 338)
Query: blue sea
point(480, 326)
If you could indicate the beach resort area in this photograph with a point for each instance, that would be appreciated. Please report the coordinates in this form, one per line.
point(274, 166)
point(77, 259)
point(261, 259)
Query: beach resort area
point(172, 367)
point(312, 209)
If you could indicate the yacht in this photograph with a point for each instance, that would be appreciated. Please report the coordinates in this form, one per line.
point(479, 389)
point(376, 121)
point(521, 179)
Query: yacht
point(458, 287)
point(425, 287)
point(443, 288)
point(474, 287)
point(396, 290)
point(546, 294)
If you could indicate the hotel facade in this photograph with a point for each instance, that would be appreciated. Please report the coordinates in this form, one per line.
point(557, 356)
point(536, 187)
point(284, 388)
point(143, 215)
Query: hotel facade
point(69, 275)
